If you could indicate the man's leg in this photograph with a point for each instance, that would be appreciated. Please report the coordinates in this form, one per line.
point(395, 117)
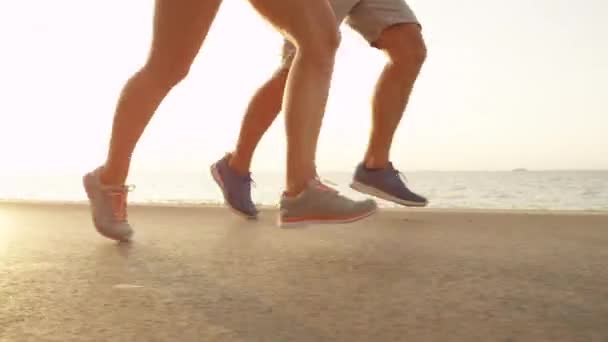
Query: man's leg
point(232, 172)
point(389, 25)
point(180, 28)
point(263, 109)
point(406, 52)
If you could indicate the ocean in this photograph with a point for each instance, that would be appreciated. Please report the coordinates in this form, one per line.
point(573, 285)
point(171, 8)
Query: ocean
point(546, 190)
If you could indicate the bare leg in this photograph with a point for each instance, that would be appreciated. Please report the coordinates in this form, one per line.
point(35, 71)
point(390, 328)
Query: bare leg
point(180, 27)
point(312, 27)
point(262, 110)
point(406, 51)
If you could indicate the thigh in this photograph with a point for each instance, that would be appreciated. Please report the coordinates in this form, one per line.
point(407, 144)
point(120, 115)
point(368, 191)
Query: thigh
point(180, 27)
point(371, 17)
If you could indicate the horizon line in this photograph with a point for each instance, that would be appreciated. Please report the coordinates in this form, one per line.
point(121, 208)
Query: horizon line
point(145, 171)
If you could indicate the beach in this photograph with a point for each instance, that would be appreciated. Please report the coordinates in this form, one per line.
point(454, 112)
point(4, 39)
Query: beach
point(199, 273)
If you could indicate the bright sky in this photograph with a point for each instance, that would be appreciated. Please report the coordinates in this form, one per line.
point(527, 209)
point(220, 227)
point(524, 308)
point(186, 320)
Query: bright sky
point(507, 84)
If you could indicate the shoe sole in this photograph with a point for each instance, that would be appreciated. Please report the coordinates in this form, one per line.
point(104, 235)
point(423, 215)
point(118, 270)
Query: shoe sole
point(366, 189)
point(305, 222)
point(218, 180)
point(90, 195)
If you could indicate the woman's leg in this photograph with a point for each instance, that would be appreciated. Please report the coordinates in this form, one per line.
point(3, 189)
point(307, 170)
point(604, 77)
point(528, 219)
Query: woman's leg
point(312, 27)
point(180, 28)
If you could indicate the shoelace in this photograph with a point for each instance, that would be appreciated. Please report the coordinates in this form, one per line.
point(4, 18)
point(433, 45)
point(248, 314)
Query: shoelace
point(397, 172)
point(402, 176)
point(249, 180)
point(118, 196)
point(319, 184)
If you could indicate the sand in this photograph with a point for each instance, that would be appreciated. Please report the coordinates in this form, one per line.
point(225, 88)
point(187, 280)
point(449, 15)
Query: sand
point(202, 274)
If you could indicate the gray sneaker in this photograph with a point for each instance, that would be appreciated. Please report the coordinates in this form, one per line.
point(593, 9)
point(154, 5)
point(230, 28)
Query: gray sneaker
point(108, 207)
point(319, 203)
point(236, 188)
point(386, 184)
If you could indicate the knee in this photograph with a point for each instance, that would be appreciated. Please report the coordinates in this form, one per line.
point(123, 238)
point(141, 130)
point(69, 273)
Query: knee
point(166, 74)
point(416, 54)
point(404, 45)
point(320, 48)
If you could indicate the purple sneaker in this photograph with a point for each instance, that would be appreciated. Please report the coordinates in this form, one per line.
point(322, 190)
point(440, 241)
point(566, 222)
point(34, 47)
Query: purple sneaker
point(386, 184)
point(236, 188)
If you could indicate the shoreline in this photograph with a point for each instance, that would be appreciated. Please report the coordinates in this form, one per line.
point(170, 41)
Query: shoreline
point(272, 208)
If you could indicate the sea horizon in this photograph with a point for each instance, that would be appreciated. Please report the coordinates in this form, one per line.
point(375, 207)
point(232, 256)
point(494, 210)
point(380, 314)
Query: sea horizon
point(473, 189)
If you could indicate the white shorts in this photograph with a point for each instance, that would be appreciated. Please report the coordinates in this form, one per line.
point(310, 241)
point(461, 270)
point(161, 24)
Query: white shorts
point(367, 17)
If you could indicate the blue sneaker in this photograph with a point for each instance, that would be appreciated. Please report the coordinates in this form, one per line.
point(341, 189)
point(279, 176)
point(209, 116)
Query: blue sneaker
point(386, 184)
point(236, 188)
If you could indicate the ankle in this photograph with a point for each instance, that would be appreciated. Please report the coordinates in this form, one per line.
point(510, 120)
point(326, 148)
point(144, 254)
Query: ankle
point(294, 189)
point(111, 178)
point(375, 163)
point(239, 164)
